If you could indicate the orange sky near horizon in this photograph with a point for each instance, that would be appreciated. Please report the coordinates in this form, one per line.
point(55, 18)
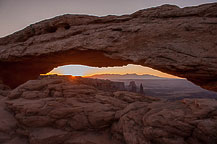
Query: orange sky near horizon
point(80, 70)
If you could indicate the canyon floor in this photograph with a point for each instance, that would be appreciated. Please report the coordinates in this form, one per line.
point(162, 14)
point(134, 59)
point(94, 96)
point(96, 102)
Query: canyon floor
point(76, 110)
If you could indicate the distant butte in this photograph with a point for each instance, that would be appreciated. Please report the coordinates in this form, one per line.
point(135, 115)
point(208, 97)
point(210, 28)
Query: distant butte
point(178, 41)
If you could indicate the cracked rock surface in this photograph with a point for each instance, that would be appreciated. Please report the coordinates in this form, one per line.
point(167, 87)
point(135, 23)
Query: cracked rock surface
point(75, 110)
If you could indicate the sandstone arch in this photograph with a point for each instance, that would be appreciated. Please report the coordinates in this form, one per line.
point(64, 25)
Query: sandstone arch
point(178, 41)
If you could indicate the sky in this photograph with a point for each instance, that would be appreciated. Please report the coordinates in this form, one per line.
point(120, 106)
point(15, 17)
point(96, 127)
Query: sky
point(79, 70)
point(17, 14)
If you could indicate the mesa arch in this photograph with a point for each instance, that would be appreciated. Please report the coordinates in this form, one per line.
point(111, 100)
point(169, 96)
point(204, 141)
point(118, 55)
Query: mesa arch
point(178, 41)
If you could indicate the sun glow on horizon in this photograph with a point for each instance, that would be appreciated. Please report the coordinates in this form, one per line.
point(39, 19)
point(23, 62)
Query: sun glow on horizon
point(81, 70)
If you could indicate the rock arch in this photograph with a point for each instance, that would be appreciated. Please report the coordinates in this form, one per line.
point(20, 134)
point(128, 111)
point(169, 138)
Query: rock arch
point(178, 41)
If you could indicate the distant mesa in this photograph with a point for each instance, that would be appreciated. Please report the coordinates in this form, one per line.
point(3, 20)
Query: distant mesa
point(141, 89)
point(132, 86)
point(125, 76)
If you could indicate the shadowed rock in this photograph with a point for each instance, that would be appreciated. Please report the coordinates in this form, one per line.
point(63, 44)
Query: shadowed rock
point(178, 41)
point(132, 87)
point(141, 90)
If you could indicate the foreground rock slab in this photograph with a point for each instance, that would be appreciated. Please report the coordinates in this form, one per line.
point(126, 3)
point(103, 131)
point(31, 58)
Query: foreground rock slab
point(179, 41)
point(69, 110)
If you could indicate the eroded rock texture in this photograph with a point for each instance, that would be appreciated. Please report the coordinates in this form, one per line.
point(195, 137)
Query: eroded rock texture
point(179, 41)
point(62, 110)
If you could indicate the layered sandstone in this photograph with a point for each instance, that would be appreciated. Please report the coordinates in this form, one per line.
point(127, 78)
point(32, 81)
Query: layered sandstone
point(179, 41)
point(66, 110)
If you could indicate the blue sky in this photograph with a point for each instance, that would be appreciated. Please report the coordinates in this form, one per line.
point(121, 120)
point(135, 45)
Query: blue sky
point(80, 70)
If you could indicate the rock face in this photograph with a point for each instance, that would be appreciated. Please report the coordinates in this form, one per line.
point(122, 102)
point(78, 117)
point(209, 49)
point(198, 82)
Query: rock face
point(66, 110)
point(132, 87)
point(179, 41)
point(141, 89)
point(8, 123)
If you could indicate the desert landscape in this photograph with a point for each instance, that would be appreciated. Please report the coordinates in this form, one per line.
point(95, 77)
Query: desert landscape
point(39, 108)
point(164, 88)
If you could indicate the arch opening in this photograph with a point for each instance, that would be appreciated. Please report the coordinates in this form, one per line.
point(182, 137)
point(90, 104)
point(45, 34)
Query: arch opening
point(30, 67)
point(88, 71)
point(145, 80)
